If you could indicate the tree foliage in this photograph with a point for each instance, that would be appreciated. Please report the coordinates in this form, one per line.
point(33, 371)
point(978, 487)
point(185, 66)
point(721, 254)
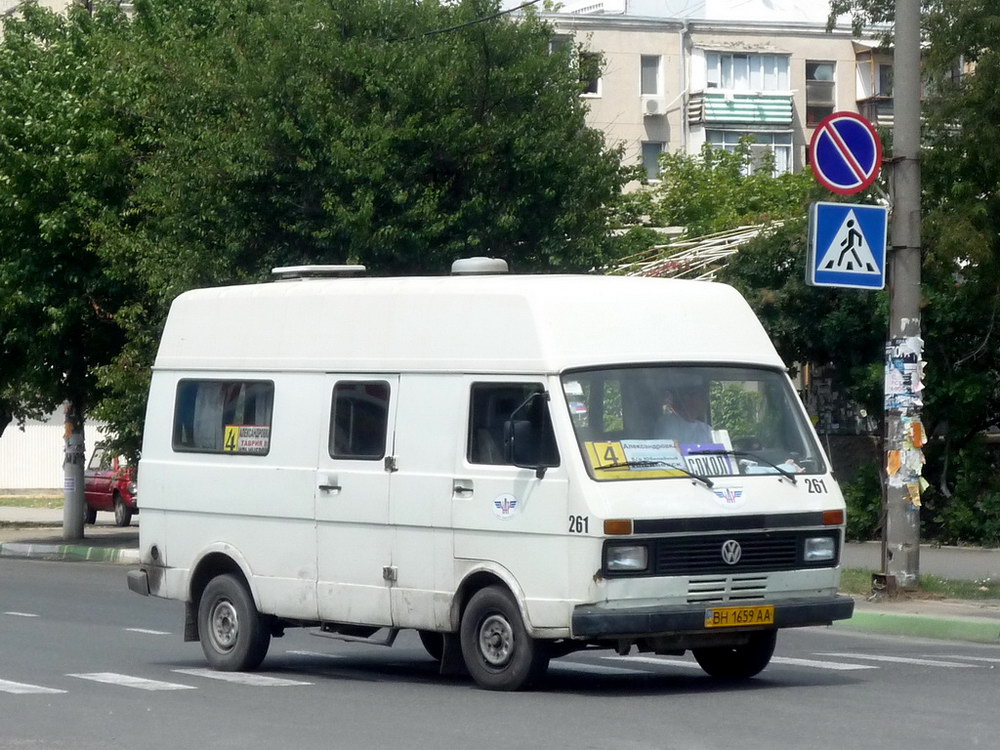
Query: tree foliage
point(716, 190)
point(219, 138)
point(64, 160)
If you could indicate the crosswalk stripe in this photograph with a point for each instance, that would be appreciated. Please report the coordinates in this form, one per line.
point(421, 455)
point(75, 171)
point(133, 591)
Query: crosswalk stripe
point(125, 680)
point(21, 688)
point(242, 678)
point(816, 664)
point(20, 614)
point(903, 660)
point(146, 631)
point(657, 660)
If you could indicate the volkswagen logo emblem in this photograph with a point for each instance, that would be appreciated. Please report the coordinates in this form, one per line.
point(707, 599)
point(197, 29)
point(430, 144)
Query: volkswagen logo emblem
point(731, 552)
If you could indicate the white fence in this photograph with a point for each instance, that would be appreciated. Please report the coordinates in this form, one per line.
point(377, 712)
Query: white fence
point(32, 459)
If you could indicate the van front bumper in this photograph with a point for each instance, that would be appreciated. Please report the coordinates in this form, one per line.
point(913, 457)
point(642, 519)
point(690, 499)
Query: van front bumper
point(596, 621)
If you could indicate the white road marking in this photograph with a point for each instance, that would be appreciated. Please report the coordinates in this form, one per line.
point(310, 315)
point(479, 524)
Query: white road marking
point(987, 659)
point(575, 666)
point(146, 631)
point(242, 678)
point(320, 654)
point(124, 680)
point(903, 660)
point(21, 688)
point(20, 614)
point(657, 660)
point(815, 664)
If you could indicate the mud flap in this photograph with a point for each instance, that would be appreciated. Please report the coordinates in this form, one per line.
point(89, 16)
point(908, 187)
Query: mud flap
point(452, 661)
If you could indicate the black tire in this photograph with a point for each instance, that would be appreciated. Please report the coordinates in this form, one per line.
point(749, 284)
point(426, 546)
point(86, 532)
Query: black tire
point(123, 513)
point(233, 634)
point(90, 515)
point(433, 643)
point(496, 647)
point(738, 662)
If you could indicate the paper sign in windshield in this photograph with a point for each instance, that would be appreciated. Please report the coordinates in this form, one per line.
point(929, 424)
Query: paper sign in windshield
point(707, 465)
point(634, 459)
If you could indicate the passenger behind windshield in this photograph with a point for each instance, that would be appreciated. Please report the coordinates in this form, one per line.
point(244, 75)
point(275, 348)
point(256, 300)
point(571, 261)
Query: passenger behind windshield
point(685, 408)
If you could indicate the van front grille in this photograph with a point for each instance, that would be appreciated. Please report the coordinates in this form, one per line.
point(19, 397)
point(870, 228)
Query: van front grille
point(721, 554)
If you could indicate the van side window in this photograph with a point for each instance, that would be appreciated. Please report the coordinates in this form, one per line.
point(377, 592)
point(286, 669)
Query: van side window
point(360, 420)
point(492, 406)
point(223, 416)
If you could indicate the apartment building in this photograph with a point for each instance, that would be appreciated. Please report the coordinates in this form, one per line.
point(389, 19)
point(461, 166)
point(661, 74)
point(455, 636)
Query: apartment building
point(675, 78)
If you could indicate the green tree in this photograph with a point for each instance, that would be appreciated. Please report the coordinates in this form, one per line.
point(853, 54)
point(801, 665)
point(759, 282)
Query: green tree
point(245, 134)
point(716, 190)
point(64, 160)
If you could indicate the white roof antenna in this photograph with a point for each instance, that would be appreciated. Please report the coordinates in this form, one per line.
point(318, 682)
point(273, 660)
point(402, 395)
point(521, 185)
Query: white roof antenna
point(478, 266)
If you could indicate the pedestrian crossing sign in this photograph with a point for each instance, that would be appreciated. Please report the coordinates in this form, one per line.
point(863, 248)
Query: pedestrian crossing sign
point(847, 245)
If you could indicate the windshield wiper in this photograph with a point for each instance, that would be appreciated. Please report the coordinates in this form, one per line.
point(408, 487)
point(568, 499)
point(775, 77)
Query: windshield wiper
point(784, 472)
point(642, 464)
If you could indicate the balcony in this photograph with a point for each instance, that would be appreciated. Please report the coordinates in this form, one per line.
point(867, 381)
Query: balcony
point(877, 110)
point(719, 108)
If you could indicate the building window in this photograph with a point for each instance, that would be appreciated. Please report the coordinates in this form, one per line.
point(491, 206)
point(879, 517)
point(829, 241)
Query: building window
point(223, 416)
point(650, 75)
point(747, 71)
point(360, 420)
point(651, 151)
point(884, 80)
point(820, 96)
point(590, 73)
point(780, 144)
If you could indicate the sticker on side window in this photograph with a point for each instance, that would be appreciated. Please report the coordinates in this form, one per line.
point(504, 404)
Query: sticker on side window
point(253, 439)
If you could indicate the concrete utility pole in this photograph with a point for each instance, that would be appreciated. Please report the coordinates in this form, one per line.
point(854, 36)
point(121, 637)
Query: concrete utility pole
point(73, 496)
point(904, 377)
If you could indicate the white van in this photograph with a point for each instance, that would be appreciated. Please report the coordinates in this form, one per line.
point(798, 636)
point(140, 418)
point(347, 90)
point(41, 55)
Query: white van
point(517, 467)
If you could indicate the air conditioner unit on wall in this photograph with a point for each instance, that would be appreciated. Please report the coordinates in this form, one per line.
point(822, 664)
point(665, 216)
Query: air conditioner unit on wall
point(654, 106)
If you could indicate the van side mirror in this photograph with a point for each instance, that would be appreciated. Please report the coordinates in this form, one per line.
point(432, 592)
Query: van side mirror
point(522, 439)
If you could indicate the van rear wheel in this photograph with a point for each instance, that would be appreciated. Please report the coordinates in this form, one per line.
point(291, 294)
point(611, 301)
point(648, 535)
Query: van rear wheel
point(496, 647)
point(234, 635)
point(738, 662)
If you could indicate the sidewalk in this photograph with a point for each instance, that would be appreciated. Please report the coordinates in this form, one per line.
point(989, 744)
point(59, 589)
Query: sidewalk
point(39, 536)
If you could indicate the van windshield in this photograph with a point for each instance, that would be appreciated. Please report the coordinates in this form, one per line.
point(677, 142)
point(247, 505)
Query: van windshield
point(674, 421)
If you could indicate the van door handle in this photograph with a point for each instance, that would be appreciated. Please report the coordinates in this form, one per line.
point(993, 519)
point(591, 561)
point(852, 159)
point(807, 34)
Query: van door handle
point(328, 483)
point(460, 489)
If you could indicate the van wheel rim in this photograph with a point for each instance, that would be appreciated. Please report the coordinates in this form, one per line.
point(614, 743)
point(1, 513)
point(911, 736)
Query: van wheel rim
point(496, 640)
point(224, 625)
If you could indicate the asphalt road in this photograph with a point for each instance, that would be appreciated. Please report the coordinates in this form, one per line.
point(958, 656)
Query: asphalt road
point(86, 664)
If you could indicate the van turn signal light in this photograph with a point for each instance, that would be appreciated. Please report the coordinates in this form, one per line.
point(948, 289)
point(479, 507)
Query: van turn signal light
point(617, 526)
point(833, 517)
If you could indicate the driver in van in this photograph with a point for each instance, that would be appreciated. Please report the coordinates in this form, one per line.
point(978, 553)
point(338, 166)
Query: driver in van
point(685, 405)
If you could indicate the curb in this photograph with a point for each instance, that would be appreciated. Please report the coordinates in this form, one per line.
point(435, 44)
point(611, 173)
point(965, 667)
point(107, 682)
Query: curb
point(70, 553)
point(922, 626)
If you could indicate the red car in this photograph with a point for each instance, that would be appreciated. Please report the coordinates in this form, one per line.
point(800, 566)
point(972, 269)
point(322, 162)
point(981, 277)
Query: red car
point(109, 484)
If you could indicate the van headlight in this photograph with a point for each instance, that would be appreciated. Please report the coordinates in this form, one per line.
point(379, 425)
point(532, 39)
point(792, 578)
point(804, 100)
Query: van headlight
point(132, 488)
point(626, 558)
point(819, 548)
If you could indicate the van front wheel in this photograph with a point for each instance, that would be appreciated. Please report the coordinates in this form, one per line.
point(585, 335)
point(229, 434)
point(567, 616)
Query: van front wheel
point(738, 662)
point(233, 634)
point(496, 647)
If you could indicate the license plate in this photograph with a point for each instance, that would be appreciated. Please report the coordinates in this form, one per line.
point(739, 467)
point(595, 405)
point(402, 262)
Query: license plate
point(734, 617)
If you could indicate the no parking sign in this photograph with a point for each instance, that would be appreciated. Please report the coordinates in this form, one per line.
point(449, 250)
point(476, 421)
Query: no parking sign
point(845, 153)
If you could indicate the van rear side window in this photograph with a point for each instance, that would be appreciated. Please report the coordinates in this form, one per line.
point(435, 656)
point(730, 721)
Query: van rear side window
point(360, 420)
point(223, 416)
